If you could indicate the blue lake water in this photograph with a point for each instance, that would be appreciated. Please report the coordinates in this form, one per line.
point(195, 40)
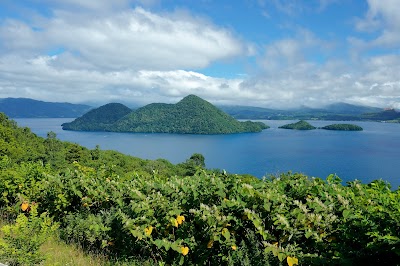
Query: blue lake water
point(367, 155)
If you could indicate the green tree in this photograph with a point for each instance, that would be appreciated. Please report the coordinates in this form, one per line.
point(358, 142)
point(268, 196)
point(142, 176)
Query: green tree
point(198, 159)
point(195, 162)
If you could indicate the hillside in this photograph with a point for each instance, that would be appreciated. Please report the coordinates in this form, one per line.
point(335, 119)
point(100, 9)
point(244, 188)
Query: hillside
point(29, 108)
point(301, 125)
point(156, 213)
point(192, 115)
point(351, 109)
point(98, 119)
point(336, 111)
point(386, 115)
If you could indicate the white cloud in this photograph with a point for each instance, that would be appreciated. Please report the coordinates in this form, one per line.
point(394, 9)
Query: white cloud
point(382, 16)
point(291, 78)
point(372, 82)
point(290, 51)
point(136, 39)
point(38, 78)
point(134, 55)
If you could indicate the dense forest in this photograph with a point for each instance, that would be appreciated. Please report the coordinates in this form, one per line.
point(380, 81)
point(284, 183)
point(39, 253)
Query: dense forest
point(99, 119)
point(343, 127)
point(192, 115)
point(304, 125)
point(158, 213)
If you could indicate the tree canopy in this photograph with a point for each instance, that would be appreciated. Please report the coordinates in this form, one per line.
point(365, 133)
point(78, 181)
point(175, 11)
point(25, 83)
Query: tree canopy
point(343, 127)
point(301, 125)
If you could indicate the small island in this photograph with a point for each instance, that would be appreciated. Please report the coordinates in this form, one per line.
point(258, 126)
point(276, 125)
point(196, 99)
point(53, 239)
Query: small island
point(343, 127)
point(191, 115)
point(301, 125)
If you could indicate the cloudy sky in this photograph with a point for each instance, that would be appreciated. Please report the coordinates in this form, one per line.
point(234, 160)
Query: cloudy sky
point(268, 53)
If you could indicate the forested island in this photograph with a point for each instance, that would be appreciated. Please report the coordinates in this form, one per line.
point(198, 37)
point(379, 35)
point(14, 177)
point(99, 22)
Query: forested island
point(343, 127)
point(300, 125)
point(304, 125)
point(191, 115)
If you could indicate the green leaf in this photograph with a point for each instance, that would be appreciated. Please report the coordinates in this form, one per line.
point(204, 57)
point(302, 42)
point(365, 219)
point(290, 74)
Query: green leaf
point(226, 234)
point(346, 214)
point(281, 256)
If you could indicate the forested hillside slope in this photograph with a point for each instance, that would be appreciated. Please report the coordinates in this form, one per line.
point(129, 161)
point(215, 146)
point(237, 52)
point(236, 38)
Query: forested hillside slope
point(164, 214)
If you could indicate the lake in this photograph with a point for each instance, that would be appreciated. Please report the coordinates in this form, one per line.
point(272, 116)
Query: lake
point(367, 155)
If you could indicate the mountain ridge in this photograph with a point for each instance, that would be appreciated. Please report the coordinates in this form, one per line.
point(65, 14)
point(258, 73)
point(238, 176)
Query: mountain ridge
point(30, 108)
point(335, 111)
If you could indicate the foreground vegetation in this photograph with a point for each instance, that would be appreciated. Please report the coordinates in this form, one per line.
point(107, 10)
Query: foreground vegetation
point(155, 212)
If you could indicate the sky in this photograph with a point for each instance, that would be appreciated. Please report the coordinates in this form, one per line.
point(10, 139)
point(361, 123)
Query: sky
point(266, 53)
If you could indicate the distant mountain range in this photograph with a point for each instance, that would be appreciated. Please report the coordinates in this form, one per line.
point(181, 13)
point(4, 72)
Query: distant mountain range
point(336, 112)
point(29, 108)
point(191, 115)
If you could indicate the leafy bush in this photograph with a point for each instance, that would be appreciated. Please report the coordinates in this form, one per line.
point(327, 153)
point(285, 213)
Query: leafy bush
point(126, 207)
point(215, 218)
point(21, 241)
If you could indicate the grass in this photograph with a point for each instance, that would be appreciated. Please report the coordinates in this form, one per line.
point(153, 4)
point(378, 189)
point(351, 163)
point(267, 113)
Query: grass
point(59, 253)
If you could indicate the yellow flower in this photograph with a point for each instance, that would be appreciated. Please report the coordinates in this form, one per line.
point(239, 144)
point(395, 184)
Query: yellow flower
point(210, 243)
point(148, 230)
point(184, 250)
point(234, 247)
point(180, 219)
point(292, 261)
point(24, 206)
